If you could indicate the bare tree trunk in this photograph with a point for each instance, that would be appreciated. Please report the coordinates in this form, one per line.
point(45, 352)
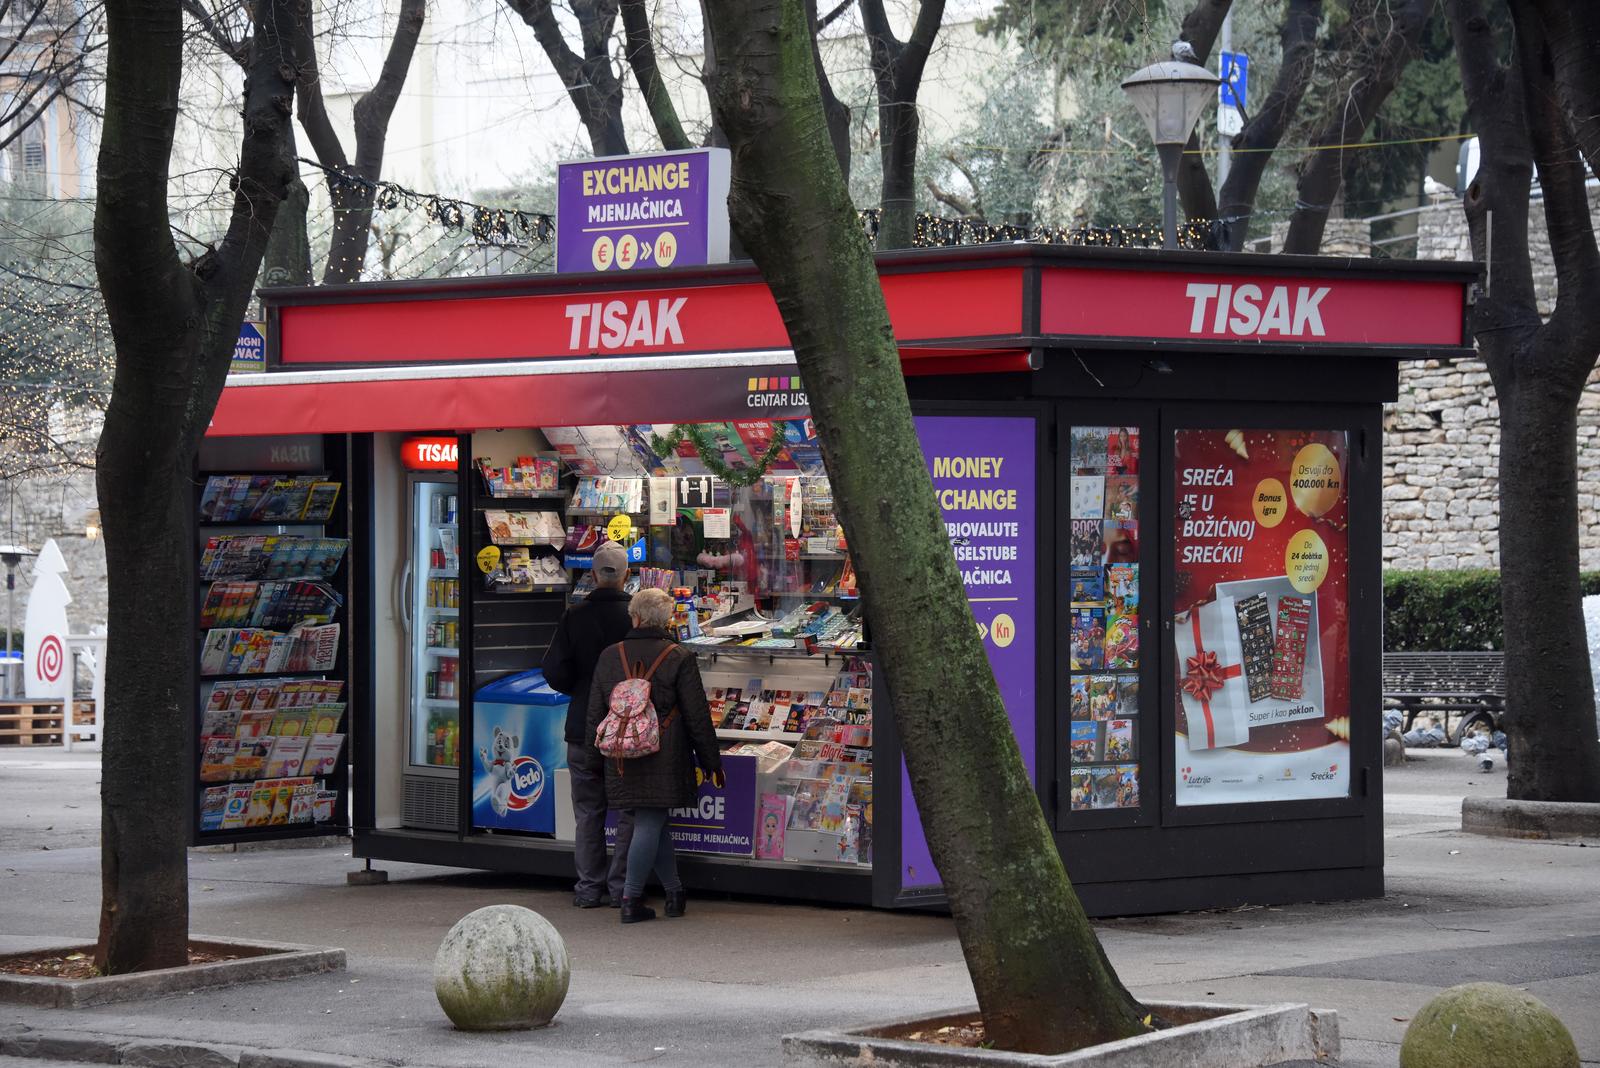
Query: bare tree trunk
point(1539, 371)
point(1042, 981)
point(897, 68)
point(1200, 28)
point(592, 84)
point(174, 326)
point(642, 58)
point(1390, 43)
point(351, 186)
point(836, 111)
point(1253, 148)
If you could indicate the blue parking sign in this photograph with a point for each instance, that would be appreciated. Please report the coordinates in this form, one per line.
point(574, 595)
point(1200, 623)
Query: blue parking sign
point(1234, 72)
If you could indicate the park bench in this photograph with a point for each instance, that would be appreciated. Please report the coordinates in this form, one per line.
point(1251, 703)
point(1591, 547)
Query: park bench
point(1471, 685)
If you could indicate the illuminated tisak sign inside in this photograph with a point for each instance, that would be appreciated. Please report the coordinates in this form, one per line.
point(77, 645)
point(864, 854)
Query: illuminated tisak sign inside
point(430, 454)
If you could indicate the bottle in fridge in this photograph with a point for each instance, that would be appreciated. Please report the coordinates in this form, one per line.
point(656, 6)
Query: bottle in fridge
point(432, 616)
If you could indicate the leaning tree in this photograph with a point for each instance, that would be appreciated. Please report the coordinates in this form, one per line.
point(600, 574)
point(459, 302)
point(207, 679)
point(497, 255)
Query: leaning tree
point(1042, 980)
point(173, 324)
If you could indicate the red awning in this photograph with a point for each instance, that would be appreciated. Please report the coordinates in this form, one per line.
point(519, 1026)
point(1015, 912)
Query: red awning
point(653, 389)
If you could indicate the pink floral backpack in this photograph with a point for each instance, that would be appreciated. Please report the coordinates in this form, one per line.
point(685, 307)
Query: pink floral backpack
point(631, 727)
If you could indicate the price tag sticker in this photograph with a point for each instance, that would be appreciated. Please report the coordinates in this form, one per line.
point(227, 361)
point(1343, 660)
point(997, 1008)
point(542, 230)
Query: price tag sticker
point(488, 558)
point(620, 527)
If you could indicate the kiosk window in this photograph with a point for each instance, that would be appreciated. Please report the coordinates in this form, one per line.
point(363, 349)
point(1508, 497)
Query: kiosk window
point(1261, 631)
point(1104, 618)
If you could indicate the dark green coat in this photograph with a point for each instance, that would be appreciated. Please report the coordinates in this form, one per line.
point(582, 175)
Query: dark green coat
point(666, 778)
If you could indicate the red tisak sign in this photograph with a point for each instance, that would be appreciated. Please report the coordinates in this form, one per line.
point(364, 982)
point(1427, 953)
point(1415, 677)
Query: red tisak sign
point(430, 453)
point(736, 317)
point(1187, 305)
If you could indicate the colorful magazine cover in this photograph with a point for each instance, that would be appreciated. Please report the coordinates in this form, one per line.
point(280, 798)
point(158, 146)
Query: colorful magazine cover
point(770, 822)
point(1102, 697)
point(1127, 695)
point(1122, 616)
point(1103, 787)
point(1121, 542)
point(1122, 450)
point(1127, 794)
point(1119, 740)
point(1088, 449)
point(1080, 697)
point(1087, 545)
point(1084, 743)
point(1082, 797)
point(1088, 639)
point(1088, 496)
point(1122, 498)
point(1088, 586)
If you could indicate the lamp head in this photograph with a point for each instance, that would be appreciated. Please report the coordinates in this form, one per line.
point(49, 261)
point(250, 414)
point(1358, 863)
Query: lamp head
point(1170, 96)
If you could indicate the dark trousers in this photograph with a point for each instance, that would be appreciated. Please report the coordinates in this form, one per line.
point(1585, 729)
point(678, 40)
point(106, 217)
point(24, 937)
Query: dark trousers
point(595, 875)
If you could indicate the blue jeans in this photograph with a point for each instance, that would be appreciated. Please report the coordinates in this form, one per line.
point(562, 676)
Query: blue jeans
point(651, 848)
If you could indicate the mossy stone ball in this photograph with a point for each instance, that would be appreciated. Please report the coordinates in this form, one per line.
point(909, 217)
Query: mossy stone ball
point(501, 968)
point(1487, 1025)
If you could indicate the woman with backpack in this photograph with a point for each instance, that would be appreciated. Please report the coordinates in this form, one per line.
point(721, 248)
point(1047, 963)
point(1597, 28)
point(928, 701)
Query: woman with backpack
point(648, 716)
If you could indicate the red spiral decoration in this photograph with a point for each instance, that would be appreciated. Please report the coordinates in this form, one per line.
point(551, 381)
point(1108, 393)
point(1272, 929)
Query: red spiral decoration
point(48, 664)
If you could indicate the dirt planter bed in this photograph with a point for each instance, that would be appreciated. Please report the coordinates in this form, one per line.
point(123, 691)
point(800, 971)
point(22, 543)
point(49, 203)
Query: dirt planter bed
point(251, 962)
point(1203, 1036)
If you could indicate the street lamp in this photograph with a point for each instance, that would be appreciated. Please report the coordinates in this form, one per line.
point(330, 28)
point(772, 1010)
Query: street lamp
point(1170, 96)
point(11, 556)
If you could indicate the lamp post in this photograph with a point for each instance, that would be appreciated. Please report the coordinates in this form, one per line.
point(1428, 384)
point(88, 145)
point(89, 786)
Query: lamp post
point(1170, 96)
point(11, 556)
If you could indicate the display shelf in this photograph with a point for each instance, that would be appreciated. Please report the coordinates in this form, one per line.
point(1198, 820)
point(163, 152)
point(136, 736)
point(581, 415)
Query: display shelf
point(727, 734)
point(536, 590)
point(442, 650)
point(312, 673)
point(439, 702)
point(836, 557)
point(750, 652)
point(276, 831)
point(604, 511)
point(257, 524)
point(442, 572)
point(533, 495)
point(441, 610)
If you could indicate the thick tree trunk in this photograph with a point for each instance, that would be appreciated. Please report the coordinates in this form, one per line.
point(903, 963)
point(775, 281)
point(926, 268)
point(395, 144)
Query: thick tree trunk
point(287, 261)
point(642, 58)
point(591, 83)
point(174, 326)
point(1254, 147)
point(836, 110)
point(1539, 371)
point(897, 68)
point(1042, 981)
point(1550, 726)
point(1393, 44)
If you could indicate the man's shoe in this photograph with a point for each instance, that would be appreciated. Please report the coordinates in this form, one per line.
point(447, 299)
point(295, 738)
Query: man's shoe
point(579, 901)
point(634, 912)
point(616, 900)
point(677, 902)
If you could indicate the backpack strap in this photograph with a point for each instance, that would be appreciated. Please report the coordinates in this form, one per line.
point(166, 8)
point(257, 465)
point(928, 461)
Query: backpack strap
point(664, 653)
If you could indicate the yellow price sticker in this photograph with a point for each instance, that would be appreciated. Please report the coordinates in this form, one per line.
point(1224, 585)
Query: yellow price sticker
point(620, 527)
point(488, 558)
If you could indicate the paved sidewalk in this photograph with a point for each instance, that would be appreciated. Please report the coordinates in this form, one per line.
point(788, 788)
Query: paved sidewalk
point(721, 985)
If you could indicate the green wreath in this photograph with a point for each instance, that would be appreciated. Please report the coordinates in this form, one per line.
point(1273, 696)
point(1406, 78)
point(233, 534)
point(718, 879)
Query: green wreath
point(749, 476)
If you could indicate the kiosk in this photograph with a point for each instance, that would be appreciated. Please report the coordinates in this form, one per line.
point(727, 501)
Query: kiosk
point(1161, 474)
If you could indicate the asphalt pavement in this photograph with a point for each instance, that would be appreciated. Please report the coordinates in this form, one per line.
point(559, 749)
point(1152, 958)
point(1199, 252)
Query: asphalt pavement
point(721, 985)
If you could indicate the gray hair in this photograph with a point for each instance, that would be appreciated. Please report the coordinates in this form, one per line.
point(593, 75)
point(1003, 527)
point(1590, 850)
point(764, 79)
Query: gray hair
point(651, 608)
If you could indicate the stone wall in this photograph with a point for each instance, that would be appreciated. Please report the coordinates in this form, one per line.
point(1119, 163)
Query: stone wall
point(1442, 438)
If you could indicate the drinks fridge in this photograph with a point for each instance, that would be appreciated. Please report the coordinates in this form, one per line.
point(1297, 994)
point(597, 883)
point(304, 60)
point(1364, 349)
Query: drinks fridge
point(433, 621)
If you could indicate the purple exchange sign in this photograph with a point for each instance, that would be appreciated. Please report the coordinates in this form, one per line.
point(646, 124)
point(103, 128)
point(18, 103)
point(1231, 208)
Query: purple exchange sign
point(654, 210)
point(984, 474)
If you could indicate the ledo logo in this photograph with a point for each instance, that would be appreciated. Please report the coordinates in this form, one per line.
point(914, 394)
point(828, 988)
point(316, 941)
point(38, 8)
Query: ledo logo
point(527, 782)
point(49, 660)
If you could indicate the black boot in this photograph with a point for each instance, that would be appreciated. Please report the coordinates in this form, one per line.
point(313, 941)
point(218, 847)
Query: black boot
point(635, 912)
point(677, 902)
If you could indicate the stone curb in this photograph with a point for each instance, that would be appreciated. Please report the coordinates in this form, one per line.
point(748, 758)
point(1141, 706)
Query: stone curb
point(1506, 818)
point(269, 960)
point(85, 1048)
point(1243, 1036)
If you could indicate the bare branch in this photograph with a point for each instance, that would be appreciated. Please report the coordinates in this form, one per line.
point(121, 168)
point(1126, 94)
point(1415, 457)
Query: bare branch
point(642, 59)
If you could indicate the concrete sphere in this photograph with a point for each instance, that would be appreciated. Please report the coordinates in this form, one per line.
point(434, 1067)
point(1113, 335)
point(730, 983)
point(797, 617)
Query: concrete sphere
point(1487, 1025)
point(501, 968)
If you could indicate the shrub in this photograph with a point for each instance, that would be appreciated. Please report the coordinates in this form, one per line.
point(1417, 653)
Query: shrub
point(1447, 611)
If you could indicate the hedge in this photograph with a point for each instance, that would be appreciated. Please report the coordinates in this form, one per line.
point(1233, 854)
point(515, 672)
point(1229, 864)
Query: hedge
point(1447, 611)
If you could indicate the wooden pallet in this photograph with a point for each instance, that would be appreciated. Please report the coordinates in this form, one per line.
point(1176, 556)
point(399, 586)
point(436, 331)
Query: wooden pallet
point(31, 722)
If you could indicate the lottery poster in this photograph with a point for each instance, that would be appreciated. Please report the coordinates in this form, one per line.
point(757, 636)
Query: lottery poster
point(1261, 630)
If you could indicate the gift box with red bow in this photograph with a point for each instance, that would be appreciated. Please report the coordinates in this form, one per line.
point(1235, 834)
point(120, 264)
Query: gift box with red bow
point(1211, 681)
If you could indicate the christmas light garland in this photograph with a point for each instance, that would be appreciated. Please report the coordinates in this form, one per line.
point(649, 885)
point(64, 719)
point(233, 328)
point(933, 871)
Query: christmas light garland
point(496, 226)
point(712, 457)
point(938, 231)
